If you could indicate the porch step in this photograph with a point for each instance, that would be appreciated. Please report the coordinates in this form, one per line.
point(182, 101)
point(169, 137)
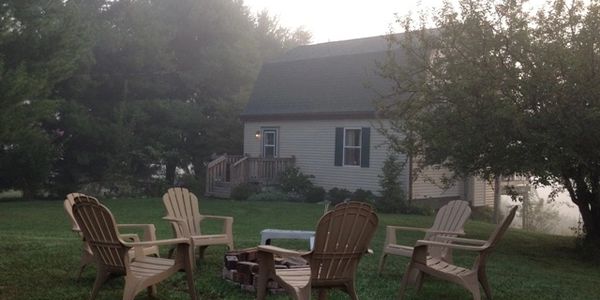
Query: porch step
point(221, 190)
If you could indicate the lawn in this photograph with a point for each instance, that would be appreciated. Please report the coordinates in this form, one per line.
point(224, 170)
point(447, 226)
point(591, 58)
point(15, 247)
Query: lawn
point(40, 255)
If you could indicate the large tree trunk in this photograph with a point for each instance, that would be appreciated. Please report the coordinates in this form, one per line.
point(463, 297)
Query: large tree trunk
point(585, 193)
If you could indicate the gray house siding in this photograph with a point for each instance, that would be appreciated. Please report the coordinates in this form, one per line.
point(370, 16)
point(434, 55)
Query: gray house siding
point(428, 185)
point(313, 145)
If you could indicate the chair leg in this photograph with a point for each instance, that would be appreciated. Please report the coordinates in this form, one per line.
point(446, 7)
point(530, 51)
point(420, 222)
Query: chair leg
point(101, 277)
point(151, 291)
point(382, 262)
point(303, 293)
point(201, 250)
point(322, 294)
point(484, 283)
point(266, 266)
point(419, 280)
point(351, 289)
point(405, 279)
point(189, 273)
point(86, 259)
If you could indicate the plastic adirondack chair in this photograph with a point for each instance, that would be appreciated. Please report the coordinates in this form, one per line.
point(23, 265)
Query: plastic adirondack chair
point(115, 256)
point(468, 278)
point(184, 215)
point(342, 238)
point(449, 222)
point(87, 256)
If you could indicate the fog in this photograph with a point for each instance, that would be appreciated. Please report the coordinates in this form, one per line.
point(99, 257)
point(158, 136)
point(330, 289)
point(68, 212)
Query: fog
point(559, 216)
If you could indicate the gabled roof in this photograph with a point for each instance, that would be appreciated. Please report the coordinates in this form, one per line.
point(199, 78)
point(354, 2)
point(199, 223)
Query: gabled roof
point(320, 81)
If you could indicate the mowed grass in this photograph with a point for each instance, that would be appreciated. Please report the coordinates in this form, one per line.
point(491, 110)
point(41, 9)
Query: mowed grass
point(40, 255)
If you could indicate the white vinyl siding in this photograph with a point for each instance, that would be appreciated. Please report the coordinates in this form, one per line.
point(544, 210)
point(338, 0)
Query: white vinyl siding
point(428, 185)
point(313, 145)
point(482, 192)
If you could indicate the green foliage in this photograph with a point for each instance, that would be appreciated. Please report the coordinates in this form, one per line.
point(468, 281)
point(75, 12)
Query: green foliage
point(272, 196)
point(293, 181)
point(315, 194)
point(497, 89)
point(392, 198)
point(145, 86)
point(362, 196)
point(337, 195)
point(194, 184)
point(244, 190)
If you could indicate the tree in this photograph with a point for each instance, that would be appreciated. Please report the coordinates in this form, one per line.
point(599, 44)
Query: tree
point(40, 46)
point(497, 90)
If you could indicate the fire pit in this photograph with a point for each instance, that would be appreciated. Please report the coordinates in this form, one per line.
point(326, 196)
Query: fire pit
point(241, 268)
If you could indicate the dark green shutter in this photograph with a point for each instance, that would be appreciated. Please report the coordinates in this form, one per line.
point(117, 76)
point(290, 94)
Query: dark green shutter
point(339, 146)
point(365, 147)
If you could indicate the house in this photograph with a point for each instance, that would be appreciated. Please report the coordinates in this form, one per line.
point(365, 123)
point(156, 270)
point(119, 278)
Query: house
point(313, 108)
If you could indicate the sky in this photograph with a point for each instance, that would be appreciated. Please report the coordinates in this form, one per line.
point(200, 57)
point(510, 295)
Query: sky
point(334, 20)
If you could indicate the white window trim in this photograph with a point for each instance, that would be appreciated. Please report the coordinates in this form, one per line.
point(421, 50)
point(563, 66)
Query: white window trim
point(359, 147)
point(276, 145)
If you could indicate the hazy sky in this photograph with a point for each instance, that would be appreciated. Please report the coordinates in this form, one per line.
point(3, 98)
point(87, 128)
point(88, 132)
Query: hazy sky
point(333, 20)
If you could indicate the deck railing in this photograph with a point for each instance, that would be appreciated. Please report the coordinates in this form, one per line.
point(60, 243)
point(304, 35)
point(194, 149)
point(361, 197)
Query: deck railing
point(237, 169)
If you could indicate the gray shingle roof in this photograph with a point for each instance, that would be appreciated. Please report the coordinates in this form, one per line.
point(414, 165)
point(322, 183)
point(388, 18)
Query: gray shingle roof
point(322, 79)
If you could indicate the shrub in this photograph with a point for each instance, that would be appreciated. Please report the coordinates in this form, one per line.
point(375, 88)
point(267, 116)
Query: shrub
point(392, 198)
point(269, 196)
point(337, 195)
point(192, 183)
point(362, 196)
point(244, 190)
point(315, 194)
point(294, 182)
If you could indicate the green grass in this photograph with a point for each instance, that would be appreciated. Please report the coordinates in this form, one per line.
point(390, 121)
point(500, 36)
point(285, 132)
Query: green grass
point(40, 255)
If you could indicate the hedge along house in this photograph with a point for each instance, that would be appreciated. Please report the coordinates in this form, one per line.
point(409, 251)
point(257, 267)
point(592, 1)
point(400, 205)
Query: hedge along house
point(313, 108)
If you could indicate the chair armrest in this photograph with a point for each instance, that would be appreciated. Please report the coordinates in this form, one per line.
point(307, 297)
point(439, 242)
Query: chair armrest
point(281, 251)
point(158, 242)
point(461, 232)
point(462, 240)
point(132, 237)
point(394, 228)
point(227, 223)
point(216, 217)
point(149, 230)
point(449, 245)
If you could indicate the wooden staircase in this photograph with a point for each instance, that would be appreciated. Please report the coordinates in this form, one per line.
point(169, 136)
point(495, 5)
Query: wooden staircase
point(227, 171)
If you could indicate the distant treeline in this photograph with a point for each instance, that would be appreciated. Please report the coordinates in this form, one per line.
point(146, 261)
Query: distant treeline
point(115, 95)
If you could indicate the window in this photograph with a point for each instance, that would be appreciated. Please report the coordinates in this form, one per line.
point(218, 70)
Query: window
point(269, 142)
point(352, 145)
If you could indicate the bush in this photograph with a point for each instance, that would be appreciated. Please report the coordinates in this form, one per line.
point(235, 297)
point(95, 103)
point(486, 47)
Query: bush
point(362, 196)
point(315, 194)
point(393, 199)
point(244, 190)
point(192, 183)
point(337, 195)
point(269, 197)
point(294, 182)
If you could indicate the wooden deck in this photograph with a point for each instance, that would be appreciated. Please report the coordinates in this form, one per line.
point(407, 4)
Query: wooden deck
point(227, 171)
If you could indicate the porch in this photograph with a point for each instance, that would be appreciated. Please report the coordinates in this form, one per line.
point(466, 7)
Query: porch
point(227, 171)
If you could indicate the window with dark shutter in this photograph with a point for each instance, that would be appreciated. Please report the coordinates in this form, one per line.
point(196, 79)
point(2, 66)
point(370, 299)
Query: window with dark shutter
point(339, 146)
point(365, 147)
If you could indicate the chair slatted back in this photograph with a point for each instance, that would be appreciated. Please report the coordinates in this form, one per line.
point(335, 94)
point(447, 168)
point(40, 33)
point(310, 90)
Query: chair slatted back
point(341, 239)
point(180, 203)
point(68, 206)
point(100, 232)
point(451, 217)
